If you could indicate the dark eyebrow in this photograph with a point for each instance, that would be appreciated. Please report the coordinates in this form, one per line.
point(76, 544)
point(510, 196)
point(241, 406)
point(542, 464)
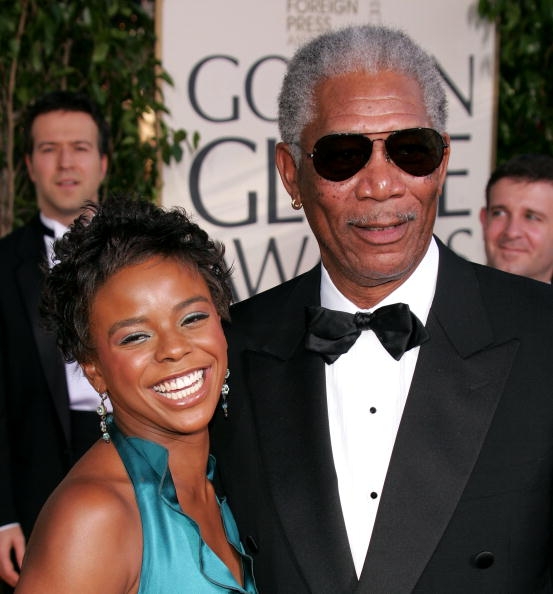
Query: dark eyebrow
point(55, 142)
point(191, 301)
point(124, 323)
point(538, 213)
point(140, 320)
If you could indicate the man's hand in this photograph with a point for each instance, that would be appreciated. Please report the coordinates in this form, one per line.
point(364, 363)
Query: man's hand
point(11, 539)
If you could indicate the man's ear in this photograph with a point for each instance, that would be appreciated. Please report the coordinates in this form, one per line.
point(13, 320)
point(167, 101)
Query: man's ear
point(288, 171)
point(94, 376)
point(484, 217)
point(29, 164)
point(104, 163)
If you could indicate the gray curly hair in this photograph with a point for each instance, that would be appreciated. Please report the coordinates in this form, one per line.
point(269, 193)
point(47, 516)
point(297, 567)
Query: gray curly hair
point(367, 48)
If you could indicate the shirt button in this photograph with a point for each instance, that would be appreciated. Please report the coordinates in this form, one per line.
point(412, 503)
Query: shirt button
point(483, 560)
point(374, 495)
point(372, 410)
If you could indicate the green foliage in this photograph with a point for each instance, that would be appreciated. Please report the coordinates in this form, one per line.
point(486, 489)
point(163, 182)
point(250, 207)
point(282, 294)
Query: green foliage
point(525, 110)
point(105, 48)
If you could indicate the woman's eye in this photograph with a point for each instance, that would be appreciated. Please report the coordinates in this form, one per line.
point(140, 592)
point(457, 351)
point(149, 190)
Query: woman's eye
point(192, 318)
point(134, 338)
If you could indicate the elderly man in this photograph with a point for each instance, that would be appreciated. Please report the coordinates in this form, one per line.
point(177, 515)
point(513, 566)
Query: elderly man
point(47, 408)
point(517, 220)
point(400, 438)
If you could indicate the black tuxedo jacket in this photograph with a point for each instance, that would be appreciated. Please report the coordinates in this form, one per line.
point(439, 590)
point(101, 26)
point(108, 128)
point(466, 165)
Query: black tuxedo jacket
point(467, 502)
point(34, 411)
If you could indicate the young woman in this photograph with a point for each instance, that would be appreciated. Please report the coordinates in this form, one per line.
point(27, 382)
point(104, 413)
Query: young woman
point(137, 299)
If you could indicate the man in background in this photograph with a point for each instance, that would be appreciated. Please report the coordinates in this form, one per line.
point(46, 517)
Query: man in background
point(47, 418)
point(517, 220)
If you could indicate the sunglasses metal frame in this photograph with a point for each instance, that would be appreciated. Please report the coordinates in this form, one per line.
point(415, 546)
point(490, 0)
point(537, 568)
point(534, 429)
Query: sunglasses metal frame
point(371, 141)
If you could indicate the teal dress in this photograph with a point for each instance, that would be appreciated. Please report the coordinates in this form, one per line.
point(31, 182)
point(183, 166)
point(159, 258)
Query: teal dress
point(175, 559)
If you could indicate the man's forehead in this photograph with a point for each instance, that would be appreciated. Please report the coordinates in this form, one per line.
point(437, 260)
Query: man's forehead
point(369, 102)
point(64, 126)
point(522, 194)
point(57, 117)
point(521, 186)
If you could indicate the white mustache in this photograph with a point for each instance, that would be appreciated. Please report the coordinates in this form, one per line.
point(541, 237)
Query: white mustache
point(377, 219)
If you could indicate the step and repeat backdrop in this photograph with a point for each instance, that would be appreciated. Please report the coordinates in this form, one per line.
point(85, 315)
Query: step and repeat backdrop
point(227, 59)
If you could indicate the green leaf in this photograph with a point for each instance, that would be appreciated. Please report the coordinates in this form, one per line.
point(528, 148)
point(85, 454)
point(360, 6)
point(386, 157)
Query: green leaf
point(100, 52)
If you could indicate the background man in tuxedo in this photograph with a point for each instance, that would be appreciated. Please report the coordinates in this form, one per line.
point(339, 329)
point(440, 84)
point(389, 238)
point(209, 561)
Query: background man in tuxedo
point(517, 220)
point(351, 465)
point(47, 417)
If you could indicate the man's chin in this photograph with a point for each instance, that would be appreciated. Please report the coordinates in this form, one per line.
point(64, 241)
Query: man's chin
point(514, 268)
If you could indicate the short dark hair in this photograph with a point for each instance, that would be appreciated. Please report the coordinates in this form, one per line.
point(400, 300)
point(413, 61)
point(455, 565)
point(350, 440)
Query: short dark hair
point(106, 238)
point(529, 167)
point(65, 101)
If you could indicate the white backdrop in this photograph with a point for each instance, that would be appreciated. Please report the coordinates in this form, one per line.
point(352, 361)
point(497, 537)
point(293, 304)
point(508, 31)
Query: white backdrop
point(227, 59)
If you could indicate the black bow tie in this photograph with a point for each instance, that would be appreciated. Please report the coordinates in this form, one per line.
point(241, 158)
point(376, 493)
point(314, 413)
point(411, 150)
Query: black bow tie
point(46, 230)
point(332, 333)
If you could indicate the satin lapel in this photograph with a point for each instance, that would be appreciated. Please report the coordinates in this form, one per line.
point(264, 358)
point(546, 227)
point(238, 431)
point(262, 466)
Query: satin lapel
point(457, 384)
point(291, 418)
point(29, 278)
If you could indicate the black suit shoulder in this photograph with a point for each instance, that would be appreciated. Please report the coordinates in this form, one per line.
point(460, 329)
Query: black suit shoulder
point(263, 312)
point(25, 242)
point(512, 293)
point(513, 304)
point(9, 243)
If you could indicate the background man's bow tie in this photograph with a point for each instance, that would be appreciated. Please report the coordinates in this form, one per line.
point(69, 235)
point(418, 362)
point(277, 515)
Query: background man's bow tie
point(332, 333)
point(46, 230)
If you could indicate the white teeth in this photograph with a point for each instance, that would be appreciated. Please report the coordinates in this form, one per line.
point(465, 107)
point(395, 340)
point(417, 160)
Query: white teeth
point(181, 387)
point(382, 228)
point(179, 382)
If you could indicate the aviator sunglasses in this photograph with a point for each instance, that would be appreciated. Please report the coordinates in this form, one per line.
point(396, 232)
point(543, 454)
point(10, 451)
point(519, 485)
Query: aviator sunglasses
point(417, 151)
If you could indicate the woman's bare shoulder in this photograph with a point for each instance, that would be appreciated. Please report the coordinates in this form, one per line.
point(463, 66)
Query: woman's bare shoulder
point(90, 520)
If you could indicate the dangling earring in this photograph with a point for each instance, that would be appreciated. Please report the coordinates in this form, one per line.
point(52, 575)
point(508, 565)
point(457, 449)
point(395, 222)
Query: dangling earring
point(102, 412)
point(224, 393)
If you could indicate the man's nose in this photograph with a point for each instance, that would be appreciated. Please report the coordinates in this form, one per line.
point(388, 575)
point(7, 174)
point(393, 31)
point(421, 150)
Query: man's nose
point(380, 179)
point(513, 227)
point(65, 157)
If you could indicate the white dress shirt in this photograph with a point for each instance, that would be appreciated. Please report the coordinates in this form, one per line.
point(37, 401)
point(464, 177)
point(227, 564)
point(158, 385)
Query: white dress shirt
point(366, 394)
point(82, 395)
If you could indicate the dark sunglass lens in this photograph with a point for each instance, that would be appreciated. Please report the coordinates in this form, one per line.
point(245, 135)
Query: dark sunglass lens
point(338, 157)
point(418, 151)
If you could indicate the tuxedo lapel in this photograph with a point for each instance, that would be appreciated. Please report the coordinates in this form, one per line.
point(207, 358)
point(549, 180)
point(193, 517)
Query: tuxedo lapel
point(290, 413)
point(29, 278)
point(457, 384)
